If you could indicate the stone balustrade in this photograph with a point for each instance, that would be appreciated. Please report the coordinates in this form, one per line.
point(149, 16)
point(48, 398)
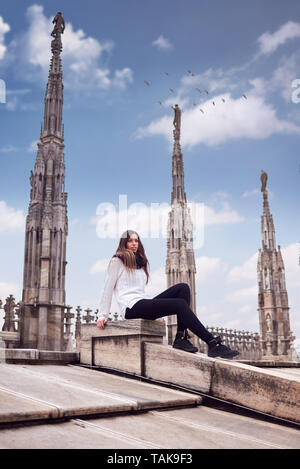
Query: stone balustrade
point(10, 334)
point(247, 343)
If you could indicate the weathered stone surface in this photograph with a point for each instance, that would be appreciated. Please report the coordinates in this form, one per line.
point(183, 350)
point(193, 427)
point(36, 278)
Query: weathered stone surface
point(256, 388)
point(10, 336)
point(121, 352)
point(18, 354)
point(176, 366)
point(15, 407)
point(125, 327)
point(197, 427)
point(119, 344)
point(37, 356)
point(40, 392)
point(53, 356)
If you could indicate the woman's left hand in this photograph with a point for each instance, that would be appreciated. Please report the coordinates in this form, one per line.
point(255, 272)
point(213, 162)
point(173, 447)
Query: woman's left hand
point(101, 323)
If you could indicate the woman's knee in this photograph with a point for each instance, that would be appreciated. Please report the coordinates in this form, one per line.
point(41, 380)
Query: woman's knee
point(184, 286)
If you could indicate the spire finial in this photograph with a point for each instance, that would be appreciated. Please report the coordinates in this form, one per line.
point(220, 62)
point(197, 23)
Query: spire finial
point(263, 179)
point(177, 121)
point(58, 30)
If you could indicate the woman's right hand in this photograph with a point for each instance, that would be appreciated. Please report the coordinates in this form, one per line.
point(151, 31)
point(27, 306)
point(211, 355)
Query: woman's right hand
point(101, 323)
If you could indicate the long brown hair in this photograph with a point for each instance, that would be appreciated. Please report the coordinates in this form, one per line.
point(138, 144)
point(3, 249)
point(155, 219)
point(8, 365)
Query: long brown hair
point(127, 256)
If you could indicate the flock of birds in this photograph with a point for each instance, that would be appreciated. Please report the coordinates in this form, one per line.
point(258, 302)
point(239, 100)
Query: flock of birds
point(197, 89)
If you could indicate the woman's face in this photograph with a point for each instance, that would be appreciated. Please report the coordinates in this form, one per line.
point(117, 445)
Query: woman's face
point(133, 243)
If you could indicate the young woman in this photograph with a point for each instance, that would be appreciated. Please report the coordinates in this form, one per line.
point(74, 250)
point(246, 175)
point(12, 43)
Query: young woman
point(127, 276)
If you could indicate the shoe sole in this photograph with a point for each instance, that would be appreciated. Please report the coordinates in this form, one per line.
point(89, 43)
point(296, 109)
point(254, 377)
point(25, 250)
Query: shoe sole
point(189, 351)
point(223, 356)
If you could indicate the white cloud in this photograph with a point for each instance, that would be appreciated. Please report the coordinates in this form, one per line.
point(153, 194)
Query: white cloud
point(82, 56)
point(250, 193)
point(245, 298)
point(211, 80)
point(235, 119)
point(162, 43)
point(246, 271)
point(160, 126)
point(7, 289)
point(4, 28)
point(220, 217)
point(269, 42)
point(207, 266)
point(10, 219)
point(283, 76)
point(8, 149)
point(157, 283)
point(290, 256)
point(74, 221)
point(100, 266)
point(243, 295)
point(32, 148)
point(122, 78)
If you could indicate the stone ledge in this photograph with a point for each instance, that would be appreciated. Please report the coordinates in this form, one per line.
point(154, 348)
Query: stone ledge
point(246, 385)
point(10, 336)
point(35, 356)
point(124, 327)
point(271, 363)
point(120, 344)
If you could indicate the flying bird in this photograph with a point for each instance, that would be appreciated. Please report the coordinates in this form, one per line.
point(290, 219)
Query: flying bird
point(198, 89)
point(167, 73)
point(223, 100)
point(244, 96)
point(206, 91)
point(172, 91)
point(191, 73)
point(159, 102)
point(214, 103)
point(147, 82)
point(202, 111)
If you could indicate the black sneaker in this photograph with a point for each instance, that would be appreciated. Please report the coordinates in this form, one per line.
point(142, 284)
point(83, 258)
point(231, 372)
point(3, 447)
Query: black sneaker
point(217, 349)
point(181, 342)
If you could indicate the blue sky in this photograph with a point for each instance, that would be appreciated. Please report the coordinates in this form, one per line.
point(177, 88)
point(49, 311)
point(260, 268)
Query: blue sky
point(118, 137)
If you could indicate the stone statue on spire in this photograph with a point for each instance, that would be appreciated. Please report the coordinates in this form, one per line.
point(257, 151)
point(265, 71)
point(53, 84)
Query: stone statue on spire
point(263, 179)
point(59, 25)
point(177, 117)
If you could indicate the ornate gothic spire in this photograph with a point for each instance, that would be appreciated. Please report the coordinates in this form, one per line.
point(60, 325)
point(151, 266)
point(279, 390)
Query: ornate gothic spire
point(276, 337)
point(54, 90)
point(47, 223)
point(180, 262)
point(178, 193)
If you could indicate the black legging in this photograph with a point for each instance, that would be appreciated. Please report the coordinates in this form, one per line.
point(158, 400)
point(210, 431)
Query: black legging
point(174, 300)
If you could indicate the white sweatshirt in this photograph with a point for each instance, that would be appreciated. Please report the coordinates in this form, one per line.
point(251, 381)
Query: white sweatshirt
point(128, 287)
